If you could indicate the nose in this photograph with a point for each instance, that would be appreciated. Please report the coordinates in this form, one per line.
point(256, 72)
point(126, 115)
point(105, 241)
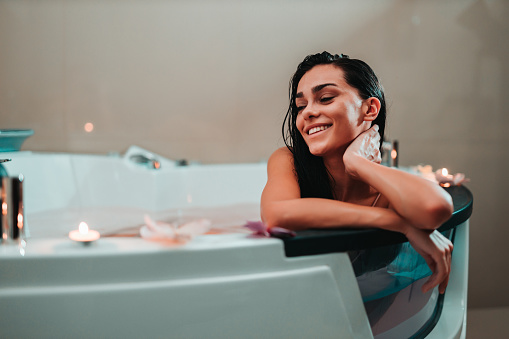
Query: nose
point(310, 112)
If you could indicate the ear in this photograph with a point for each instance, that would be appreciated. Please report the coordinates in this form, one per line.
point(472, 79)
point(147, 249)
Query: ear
point(371, 108)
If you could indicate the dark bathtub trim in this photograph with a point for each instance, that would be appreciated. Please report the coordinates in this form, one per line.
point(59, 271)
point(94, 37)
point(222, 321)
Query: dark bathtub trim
point(437, 312)
point(320, 241)
point(432, 321)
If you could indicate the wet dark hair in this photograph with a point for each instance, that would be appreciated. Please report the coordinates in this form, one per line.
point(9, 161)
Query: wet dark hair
point(314, 179)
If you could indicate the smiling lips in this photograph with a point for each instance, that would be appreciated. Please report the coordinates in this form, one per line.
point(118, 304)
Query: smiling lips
point(318, 129)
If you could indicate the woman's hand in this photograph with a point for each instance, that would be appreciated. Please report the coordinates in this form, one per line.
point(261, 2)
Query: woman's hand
point(436, 250)
point(367, 146)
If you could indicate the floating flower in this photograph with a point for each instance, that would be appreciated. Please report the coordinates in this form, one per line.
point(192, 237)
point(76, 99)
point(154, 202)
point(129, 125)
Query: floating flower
point(441, 176)
point(446, 180)
point(426, 171)
point(259, 228)
point(158, 230)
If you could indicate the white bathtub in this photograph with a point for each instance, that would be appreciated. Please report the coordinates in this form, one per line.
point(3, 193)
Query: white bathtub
point(223, 285)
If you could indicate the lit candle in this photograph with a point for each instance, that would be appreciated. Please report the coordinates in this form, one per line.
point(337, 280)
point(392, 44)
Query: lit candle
point(83, 234)
point(444, 178)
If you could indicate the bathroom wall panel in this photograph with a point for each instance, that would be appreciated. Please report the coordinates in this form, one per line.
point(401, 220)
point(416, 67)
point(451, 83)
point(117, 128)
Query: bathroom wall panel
point(31, 68)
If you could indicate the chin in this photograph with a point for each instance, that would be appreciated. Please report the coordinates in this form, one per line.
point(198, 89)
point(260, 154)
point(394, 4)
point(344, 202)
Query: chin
point(318, 151)
point(323, 150)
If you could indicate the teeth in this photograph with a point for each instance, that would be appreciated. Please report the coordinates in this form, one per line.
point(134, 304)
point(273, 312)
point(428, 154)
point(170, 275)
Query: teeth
point(317, 129)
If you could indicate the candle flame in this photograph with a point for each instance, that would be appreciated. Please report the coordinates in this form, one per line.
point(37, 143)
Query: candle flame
point(83, 228)
point(445, 172)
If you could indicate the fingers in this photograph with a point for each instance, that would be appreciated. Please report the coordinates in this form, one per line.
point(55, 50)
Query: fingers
point(378, 157)
point(448, 247)
point(441, 263)
point(373, 151)
point(366, 145)
point(436, 251)
point(443, 285)
point(431, 282)
point(375, 156)
point(439, 277)
point(373, 131)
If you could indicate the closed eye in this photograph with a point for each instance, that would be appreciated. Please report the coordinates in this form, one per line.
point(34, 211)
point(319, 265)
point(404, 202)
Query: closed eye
point(300, 105)
point(326, 99)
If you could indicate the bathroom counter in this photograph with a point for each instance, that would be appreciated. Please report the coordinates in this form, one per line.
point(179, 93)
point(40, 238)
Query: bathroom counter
point(321, 241)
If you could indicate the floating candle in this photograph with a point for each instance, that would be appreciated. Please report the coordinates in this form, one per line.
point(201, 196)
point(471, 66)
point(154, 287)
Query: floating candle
point(83, 234)
point(446, 180)
point(443, 177)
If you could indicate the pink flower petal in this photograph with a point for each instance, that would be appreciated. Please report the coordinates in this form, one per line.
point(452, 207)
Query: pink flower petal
point(257, 227)
point(459, 178)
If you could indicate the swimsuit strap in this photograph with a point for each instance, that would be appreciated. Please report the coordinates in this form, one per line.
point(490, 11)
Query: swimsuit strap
point(376, 200)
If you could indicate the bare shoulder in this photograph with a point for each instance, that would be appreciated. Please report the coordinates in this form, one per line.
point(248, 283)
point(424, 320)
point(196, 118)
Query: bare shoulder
point(280, 160)
point(282, 181)
point(282, 154)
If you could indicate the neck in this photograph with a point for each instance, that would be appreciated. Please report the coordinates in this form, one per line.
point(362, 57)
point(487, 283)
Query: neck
point(344, 186)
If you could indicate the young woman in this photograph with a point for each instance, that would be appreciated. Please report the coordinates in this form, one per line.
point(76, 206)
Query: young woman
point(329, 175)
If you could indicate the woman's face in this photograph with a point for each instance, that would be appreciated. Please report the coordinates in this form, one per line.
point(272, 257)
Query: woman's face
point(330, 111)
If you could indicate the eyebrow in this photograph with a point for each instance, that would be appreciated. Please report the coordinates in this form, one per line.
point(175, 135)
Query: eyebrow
point(315, 89)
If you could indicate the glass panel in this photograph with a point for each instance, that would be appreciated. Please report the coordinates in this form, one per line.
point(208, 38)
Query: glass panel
point(390, 280)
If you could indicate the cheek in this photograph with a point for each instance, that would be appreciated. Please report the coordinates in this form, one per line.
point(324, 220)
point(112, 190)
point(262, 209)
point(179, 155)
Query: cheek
point(355, 115)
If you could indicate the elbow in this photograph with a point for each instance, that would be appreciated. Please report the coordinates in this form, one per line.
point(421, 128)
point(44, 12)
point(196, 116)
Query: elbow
point(440, 213)
point(274, 215)
point(270, 221)
point(270, 217)
point(436, 213)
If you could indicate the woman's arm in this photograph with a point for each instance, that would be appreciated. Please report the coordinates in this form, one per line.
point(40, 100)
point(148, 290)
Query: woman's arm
point(437, 251)
point(423, 203)
point(282, 206)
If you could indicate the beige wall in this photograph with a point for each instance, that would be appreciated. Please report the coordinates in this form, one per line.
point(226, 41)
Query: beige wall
point(207, 80)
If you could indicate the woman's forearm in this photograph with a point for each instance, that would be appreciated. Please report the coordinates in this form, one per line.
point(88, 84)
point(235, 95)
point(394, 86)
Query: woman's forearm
point(423, 203)
point(323, 213)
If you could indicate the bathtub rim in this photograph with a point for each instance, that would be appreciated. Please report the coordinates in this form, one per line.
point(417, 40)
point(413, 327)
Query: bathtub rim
point(323, 241)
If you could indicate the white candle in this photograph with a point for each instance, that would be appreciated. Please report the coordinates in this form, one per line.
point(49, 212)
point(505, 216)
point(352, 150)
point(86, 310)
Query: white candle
point(83, 234)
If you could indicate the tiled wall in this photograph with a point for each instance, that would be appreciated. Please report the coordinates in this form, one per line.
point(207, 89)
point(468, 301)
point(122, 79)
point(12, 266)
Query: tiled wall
point(207, 80)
